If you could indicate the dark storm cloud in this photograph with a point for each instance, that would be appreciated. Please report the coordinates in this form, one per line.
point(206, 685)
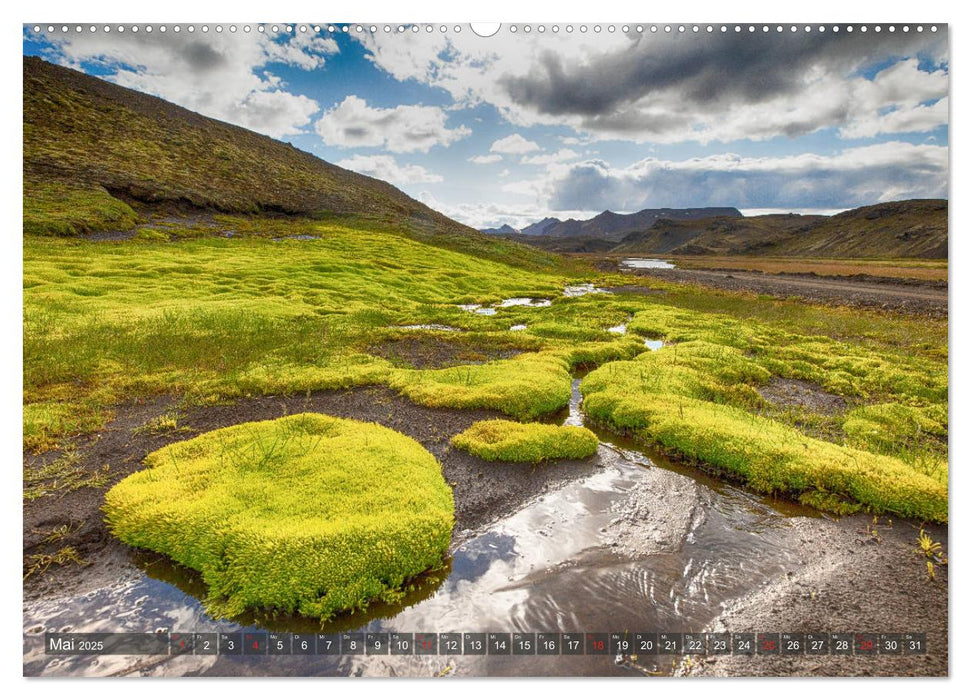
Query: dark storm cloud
point(707, 71)
point(201, 56)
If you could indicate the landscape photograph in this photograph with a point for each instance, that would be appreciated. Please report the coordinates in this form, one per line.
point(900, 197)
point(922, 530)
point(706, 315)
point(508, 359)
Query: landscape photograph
point(420, 350)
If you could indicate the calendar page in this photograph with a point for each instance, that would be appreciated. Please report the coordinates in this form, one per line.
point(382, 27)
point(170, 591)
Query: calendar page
point(479, 350)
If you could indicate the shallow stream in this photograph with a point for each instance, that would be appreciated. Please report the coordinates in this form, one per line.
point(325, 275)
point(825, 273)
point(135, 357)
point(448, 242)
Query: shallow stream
point(640, 545)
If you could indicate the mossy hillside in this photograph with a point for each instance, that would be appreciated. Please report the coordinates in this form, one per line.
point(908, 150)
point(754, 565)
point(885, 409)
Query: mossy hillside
point(698, 400)
point(85, 132)
point(91, 148)
point(508, 441)
point(65, 210)
point(307, 514)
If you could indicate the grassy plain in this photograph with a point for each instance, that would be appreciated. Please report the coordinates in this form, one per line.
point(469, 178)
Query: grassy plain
point(210, 319)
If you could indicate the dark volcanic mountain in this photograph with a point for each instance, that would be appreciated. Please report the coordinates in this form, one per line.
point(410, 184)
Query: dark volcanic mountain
point(719, 235)
point(614, 227)
point(92, 147)
point(504, 230)
point(539, 228)
point(915, 228)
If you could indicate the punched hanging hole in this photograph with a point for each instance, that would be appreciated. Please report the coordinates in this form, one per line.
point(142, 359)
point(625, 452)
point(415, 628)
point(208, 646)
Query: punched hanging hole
point(485, 29)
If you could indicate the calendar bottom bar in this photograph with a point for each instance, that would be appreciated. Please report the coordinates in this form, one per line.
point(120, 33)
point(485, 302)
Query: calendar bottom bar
point(486, 643)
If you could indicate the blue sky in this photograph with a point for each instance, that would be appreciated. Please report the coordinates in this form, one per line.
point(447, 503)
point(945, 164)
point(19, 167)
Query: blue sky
point(518, 126)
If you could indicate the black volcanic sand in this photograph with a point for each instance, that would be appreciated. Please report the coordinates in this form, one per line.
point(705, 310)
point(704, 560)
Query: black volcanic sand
point(864, 578)
point(483, 491)
point(797, 392)
point(435, 352)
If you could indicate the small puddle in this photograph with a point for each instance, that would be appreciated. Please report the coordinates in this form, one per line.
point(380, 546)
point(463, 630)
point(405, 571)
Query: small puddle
point(579, 290)
point(654, 345)
point(478, 309)
point(518, 327)
point(620, 328)
point(647, 263)
point(505, 304)
point(524, 301)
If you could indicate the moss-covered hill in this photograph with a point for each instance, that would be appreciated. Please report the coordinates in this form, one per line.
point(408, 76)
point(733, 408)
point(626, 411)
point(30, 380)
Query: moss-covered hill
point(92, 148)
point(913, 228)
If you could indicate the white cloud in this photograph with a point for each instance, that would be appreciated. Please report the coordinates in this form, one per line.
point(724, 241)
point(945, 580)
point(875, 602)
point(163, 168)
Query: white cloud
point(514, 144)
point(852, 177)
point(218, 75)
point(492, 214)
point(385, 167)
point(908, 119)
point(664, 89)
point(485, 160)
point(401, 129)
point(807, 182)
point(561, 156)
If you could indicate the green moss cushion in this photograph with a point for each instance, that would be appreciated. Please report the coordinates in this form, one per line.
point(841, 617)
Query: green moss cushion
point(508, 441)
point(306, 514)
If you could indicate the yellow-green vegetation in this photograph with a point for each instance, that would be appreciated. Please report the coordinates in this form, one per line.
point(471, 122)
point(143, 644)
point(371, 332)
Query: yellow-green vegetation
point(91, 147)
point(37, 564)
point(69, 210)
point(165, 423)
point(307, 514)
point(213, 319)
point(61, 475)
point(698, 398)
point(928, 547)
point(288, 277)
point(508, 441)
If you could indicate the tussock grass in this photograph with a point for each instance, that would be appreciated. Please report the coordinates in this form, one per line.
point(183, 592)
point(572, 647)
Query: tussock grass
point(697, 399)
point(38, 564)
point(214, 319)
point(306, 514)
point(524, 387)
point(61, 475)
point(508, 441)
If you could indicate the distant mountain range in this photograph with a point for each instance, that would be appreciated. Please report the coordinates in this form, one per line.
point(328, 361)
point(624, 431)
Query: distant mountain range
point(914, 228)
point(610, 225)
point(503, 230)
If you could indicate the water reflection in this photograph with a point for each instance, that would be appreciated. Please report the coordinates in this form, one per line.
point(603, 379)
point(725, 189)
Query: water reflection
point(641, 544)
point(647, 263)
